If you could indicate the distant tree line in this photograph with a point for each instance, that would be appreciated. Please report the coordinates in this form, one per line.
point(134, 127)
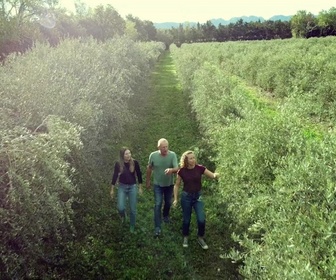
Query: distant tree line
point(22, 24)
point(302, 25)
point(240, 30)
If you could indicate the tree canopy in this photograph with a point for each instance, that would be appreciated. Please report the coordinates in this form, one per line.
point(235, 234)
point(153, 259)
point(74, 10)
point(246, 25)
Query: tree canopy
point(24, 22)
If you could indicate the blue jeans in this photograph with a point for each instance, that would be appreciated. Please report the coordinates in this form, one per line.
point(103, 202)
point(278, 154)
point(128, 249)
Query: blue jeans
point(161, 193)
point(189, 201)
point(131, 192)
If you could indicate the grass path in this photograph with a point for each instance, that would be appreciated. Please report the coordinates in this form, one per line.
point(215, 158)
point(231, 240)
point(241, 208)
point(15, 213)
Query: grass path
point(163, 111)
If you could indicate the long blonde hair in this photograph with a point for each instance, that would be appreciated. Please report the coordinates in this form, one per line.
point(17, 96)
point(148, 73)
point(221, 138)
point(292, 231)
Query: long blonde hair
point(122, 162)
point(184, 159)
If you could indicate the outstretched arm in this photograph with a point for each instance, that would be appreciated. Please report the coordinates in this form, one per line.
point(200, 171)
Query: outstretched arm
point(210, 174)
point(171, 170)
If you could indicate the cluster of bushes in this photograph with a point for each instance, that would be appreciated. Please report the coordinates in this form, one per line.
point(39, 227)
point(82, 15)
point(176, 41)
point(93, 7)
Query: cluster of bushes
point(299, 69)
point(277, 164)
point(60, 107)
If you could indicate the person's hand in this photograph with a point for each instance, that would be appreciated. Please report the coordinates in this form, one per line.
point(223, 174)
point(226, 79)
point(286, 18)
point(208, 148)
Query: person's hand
point(168, 171)
point(140, 189)
point(112, 193)
point(148, 185)
point(175, 202)
point(216, 175)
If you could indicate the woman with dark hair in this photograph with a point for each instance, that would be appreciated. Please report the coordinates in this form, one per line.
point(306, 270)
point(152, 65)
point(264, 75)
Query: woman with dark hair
point(126, 171)
point(191, 174)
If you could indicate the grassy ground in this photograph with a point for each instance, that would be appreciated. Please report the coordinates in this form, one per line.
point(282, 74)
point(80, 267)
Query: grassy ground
point(163, 111)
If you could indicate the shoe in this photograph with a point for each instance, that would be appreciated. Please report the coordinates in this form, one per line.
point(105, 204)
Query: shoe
point(131, 229)
point(157, 232)
point(166, 220)
point(202, 243)
point(185, 242)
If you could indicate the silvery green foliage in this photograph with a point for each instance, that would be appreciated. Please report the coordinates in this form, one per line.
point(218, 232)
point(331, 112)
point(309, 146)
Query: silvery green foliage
point(275, 155)
point(36, 194)
point(60, 106)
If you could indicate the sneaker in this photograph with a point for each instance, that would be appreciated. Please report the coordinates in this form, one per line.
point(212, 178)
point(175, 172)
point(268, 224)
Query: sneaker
point(131, 229)
point(202, 243)
point(157, 232)
point(185, 242)
point(166, 220)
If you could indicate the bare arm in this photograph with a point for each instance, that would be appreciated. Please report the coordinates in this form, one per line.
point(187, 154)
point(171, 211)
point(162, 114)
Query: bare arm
point(175, 167)
point(176, 189)
point(171, 170)
point(148, 175)
point(210, 174)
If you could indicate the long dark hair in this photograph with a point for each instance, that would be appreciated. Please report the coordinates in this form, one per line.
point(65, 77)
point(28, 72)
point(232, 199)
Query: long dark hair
point(122, 162)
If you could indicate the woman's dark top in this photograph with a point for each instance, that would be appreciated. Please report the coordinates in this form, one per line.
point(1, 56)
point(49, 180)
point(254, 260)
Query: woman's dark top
point(192, 178)
point(127, 177)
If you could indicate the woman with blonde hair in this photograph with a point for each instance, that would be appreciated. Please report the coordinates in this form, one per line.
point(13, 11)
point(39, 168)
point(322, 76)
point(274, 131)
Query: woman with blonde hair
point(190, 173)
point(125, 171)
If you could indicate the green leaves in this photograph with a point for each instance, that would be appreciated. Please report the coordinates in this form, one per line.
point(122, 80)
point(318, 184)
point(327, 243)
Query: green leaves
point(60, 107)
point(273, 150)
point(38, 192)
point(301, 23)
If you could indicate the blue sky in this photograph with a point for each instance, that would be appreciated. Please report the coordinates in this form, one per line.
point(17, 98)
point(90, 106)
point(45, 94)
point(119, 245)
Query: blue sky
point(203, 10)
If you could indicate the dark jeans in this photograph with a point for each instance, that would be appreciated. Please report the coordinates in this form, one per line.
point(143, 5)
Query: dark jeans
point(161, 193)
point(189, 201)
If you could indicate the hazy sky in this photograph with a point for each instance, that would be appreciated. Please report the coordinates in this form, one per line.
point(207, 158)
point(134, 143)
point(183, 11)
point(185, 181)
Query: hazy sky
point(203, 10)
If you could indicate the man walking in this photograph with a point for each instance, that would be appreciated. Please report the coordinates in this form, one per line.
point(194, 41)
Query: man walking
point(162, 163)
